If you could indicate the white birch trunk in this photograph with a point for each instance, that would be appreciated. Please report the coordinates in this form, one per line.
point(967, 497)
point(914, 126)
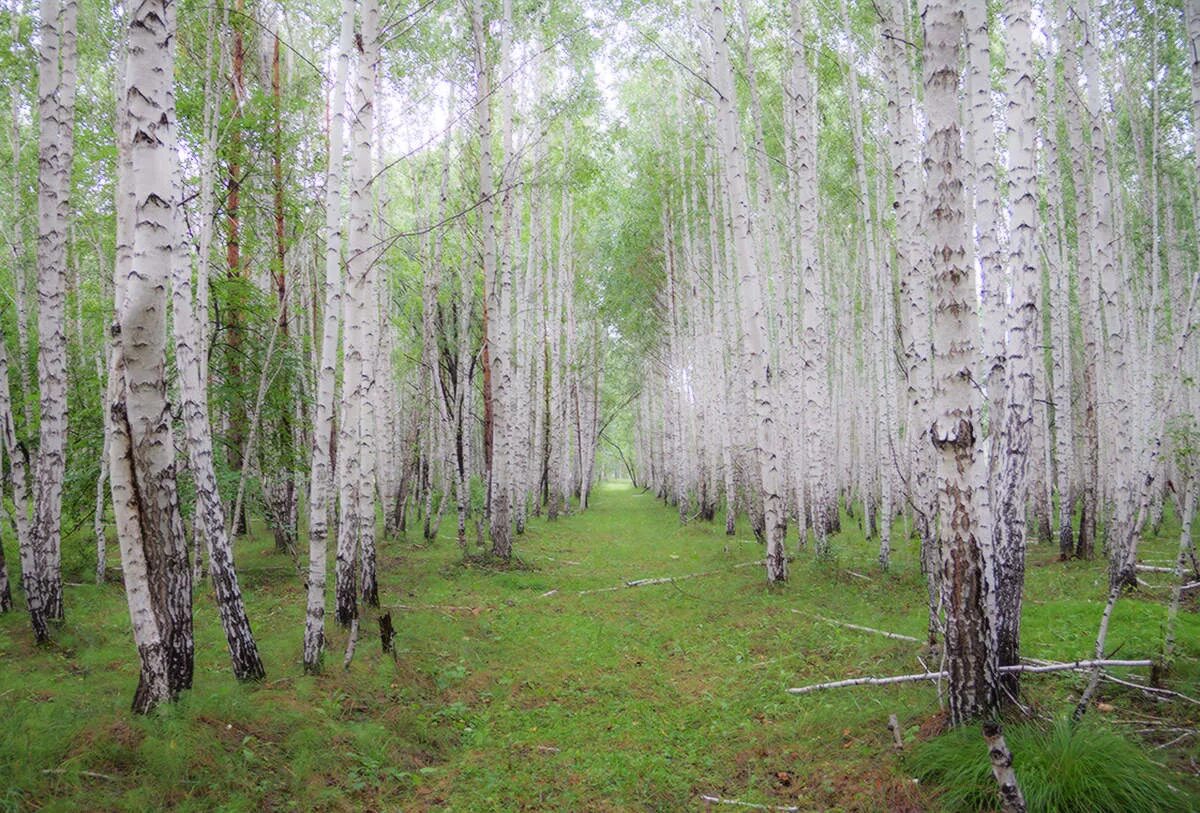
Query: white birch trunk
point(357, 488)
point(323, 420)
point(956, 432)
point(56, 113)
point(754, 317)
point(142, 451)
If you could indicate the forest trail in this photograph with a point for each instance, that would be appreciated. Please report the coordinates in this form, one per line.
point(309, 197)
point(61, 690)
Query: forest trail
point(631, 699)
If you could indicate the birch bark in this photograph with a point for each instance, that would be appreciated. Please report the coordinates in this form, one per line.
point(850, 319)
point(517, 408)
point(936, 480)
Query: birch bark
point(142, 451)
point(356, 532)
point(247, 665)
point(56, 113)
point(754, 316)
point(323, 417)
point(955, 433)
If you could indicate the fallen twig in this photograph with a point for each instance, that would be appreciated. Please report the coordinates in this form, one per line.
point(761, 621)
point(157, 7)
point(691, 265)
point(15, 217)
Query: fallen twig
point(669, 579)
point(717, 800)
point(860, 576)
point(1152, 689)
point(896, 635)
point(1154, 568)
point(91, 774)
point(1024, 668)
point(437, 608)
point(1182, 736)
point(549, 593)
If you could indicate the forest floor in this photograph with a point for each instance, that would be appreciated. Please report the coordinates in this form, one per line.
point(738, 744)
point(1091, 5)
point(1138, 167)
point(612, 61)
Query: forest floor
point(512, 691)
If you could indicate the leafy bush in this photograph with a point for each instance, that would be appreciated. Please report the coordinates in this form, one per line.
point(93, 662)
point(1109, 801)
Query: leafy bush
point(1061, 767)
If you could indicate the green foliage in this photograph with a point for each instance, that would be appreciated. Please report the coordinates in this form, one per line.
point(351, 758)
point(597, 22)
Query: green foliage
point(1062, 767)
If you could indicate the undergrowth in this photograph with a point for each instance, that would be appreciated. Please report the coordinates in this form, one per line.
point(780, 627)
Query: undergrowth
point(548, 689)
point(1062, 767)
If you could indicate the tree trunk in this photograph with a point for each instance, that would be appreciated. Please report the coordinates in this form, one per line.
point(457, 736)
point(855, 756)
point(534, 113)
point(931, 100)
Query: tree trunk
point(247, 665)
point(356, 534)
point(142, 451)
point(56, 114)
point(955, 433)
point(323, 419)
point(754, 318)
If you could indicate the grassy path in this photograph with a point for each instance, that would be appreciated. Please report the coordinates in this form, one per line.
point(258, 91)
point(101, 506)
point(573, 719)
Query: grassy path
point(629, 699)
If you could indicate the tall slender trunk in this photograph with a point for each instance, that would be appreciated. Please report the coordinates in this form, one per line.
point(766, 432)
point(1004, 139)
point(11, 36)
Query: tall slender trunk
point(322, 467)
point(956, 433)
point(235, 269)
point(56, 113)
point(356, 533)
point(1012, 443)
point(247, 665)
point(283, 492)
point(754, 317)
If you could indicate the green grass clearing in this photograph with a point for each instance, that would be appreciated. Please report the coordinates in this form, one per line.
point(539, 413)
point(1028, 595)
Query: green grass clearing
point(632, 699)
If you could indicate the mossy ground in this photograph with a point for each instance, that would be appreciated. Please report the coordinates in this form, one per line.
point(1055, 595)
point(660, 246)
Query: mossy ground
point(632, 699)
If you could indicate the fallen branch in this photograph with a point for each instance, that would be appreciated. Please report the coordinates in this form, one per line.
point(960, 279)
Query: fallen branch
point(1152, 689)
point(1154, 569)
point(669, 579)
point(1024, 668)
point(439, 608)
point(1182, 736)
point(896, 635)
point(860, 576)
point(549, 593)
point(894, 727)
point(1077, 665)
point(869, 681)
point(91, 774)
point(717, 800)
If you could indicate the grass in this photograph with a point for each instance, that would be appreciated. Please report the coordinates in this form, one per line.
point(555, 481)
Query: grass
point(631, 699)
point(1065, 767)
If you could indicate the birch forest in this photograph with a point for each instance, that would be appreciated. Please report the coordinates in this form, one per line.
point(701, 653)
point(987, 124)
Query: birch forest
point(643, 405)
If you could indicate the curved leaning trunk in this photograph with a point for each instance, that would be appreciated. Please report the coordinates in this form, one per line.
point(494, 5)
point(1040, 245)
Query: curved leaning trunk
point(154, 556)
point(247, 665)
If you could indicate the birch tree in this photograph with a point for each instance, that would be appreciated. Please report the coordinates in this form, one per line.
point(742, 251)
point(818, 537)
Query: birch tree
point(956, 433)
point(141, 448)
point(754, 317)
point(56, 114)
point(356, 533)
point(321, 482)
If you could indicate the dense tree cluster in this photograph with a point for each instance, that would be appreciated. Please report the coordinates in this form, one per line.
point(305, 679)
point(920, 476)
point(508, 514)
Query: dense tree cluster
point(343, 268)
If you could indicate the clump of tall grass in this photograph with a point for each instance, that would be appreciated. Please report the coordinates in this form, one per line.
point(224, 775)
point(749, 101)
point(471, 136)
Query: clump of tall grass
point(1062, 767)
